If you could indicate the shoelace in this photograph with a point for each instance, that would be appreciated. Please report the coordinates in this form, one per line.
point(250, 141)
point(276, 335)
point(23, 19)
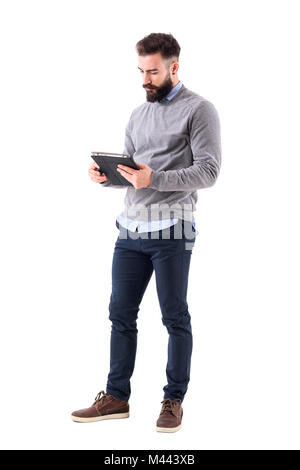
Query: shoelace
point(98, 397)
point(169, 405)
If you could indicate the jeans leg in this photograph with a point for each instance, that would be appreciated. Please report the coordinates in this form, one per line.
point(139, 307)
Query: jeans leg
point(131, 273)
point(171, 272)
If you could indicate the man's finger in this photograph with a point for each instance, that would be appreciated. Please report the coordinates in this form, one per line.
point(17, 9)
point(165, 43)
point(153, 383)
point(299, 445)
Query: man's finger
point(128, 169)
point(94, 165)
point(125, 174)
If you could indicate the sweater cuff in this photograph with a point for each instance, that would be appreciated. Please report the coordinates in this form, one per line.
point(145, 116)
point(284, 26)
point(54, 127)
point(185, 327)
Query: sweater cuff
point(155, 181)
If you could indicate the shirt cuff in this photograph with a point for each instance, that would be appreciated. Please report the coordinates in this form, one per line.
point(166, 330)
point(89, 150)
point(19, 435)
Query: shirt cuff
point(155, 181)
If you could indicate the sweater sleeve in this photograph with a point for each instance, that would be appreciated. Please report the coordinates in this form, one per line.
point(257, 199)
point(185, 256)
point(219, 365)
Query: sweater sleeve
point(205, 142)
point(128, 150)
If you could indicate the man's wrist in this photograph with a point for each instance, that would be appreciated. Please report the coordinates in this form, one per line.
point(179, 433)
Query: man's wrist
point(151, 174)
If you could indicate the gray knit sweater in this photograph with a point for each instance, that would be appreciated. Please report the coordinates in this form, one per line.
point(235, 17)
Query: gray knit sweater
point(180, 140)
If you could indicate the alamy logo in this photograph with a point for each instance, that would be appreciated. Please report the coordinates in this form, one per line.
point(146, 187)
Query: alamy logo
point(156, 217)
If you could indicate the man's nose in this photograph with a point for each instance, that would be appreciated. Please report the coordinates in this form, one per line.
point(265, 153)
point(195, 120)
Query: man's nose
point(146, 80)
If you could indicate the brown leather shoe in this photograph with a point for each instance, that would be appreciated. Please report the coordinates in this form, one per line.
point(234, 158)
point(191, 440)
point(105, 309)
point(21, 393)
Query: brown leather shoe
point(170, 416)
point(104, 407)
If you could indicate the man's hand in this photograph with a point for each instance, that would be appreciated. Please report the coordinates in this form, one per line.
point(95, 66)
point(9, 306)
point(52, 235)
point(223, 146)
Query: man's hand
point(139, 178)
point(94, 173)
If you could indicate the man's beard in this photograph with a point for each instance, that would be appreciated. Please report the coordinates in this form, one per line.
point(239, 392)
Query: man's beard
point(159, 92)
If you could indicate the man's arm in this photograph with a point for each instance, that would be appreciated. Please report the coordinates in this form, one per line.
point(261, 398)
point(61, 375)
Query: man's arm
point(205, 141)
point(128, 150)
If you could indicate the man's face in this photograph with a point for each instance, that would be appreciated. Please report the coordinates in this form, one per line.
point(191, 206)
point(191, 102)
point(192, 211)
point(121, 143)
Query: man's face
point(156, 77)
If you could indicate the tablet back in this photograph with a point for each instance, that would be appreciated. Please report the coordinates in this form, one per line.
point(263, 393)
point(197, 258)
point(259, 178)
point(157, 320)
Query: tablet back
point(108, 163)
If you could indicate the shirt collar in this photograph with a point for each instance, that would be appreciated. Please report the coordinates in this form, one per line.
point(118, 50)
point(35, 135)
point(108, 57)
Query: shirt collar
point(172, 93)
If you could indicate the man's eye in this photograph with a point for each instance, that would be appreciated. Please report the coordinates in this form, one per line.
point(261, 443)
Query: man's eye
point(152, 73)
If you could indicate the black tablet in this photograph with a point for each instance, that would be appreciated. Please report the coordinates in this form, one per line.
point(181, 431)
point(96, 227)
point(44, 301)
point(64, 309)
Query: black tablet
point(108, 163)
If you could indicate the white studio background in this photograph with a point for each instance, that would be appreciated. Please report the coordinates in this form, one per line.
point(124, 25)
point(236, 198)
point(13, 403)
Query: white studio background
point(69, 82)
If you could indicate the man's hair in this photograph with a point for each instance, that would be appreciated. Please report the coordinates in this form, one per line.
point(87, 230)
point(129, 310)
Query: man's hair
point(166, 44)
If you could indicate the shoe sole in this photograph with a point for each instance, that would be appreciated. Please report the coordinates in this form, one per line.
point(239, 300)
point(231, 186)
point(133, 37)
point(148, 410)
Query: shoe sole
point(80, 419)
point(159, 429)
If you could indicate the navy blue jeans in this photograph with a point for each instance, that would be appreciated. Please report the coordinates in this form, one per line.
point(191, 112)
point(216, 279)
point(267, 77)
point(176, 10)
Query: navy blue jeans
point(135, 257)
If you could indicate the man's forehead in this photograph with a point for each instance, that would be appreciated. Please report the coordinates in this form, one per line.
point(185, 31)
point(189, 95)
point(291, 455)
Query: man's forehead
point(153, 61)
